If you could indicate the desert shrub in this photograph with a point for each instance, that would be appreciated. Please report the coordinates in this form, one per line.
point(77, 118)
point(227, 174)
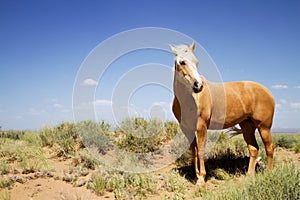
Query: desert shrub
point(148, 137)
point(284, 141)
point(171, 130)
point(228, 147)
point(12, 134)
point(33, 138)
point(95, 135)
point(5, 182)
point(283, 182)
point(65, 135)
point(297, 147)
point(185, 159)
point(8, 149)
point(29, 157)
point(68, 137)
point(135, 135)
point(176, 184)
point(221, 174)
point(47, 136)
point(86, 160)
point(4, 167)
point(6, 195)
point(98, 184)
point(123, 185)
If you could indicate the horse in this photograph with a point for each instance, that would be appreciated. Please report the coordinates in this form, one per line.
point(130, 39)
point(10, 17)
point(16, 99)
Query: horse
point(199, 105)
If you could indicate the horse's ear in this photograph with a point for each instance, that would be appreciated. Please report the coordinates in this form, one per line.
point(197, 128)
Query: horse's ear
point(173, 49)
point(193, 46)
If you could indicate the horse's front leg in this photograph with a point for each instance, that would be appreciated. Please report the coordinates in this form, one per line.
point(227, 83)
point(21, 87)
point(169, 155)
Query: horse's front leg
point(194, 150)
point(201, 140)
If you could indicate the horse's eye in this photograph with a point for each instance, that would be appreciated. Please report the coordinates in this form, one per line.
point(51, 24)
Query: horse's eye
point(182, 63)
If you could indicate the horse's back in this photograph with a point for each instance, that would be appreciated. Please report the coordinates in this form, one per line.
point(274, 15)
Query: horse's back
point(246, 99)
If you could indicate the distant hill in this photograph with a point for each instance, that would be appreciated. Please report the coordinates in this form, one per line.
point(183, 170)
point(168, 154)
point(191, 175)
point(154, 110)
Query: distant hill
point(285, 130)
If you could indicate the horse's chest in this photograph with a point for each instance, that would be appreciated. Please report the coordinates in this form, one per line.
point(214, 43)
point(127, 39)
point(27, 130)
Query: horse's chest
point(188, 110)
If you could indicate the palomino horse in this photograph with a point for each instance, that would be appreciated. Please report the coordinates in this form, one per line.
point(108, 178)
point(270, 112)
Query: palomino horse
point(199, 105)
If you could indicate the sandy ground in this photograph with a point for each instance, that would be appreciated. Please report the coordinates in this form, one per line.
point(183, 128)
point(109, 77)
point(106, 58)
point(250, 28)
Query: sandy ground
point(37, 186)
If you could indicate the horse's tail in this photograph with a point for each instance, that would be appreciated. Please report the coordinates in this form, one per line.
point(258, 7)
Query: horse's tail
point(234, 131)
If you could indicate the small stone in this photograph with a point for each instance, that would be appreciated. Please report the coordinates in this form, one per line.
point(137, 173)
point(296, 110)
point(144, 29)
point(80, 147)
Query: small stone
point(50, 175)
point(81, 183)
point(39, 174)
point(20, 180)
point(68, 178)
point(38, 185)
point(84, 173)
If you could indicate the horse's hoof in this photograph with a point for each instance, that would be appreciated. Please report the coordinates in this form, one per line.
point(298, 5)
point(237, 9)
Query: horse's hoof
point(200, 182)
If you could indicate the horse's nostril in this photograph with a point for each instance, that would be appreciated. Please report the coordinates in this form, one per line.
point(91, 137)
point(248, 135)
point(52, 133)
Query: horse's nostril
point(182, 62)
point(196, 84)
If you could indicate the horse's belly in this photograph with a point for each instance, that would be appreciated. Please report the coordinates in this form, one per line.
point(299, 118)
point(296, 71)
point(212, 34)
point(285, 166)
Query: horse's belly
point(227, 119)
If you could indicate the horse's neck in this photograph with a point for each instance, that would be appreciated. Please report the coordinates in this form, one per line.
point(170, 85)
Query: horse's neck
point(184, 95)
point(181, 90)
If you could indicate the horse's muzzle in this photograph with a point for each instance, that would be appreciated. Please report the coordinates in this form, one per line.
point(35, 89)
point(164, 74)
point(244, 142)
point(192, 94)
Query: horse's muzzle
point(196, 87)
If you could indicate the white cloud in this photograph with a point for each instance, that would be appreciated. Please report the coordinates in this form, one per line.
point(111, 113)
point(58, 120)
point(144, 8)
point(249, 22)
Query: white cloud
point(297, 87)
point(103, 102)
point(90, 82)
point(283, 101)
point(279, 86)
point(295, 105)
point(167, 105)
point(278, 106)
point(57, 105)
point(65, 110)
point(33, 111)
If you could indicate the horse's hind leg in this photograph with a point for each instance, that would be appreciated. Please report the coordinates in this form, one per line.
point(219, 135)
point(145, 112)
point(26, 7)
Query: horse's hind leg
point(266, 137)
point(248, 128)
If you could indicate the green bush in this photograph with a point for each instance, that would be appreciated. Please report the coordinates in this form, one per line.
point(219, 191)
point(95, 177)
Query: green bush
point(47, 136)
point(12, 134)
point(32, 138)
point(123, 185)
point(135, 135)
point(225, 146)
point(95, 135)
point(87, 160)
point(297, 147)
point(171, 130)
point(4, 167)
point(5, 182)
point(98, 184)
point(65, 135)
point(283, 182)
point(284, 141)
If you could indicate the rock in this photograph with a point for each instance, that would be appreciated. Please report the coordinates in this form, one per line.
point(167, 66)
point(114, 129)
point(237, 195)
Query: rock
point(19, 179)
point(37, 185)
point(68, 178)
point(81, 183)
point(84, 172)
point(39, 174)
point(50, 174)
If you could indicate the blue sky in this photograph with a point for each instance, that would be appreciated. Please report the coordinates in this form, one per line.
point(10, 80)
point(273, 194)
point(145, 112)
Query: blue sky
point(43, 44)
